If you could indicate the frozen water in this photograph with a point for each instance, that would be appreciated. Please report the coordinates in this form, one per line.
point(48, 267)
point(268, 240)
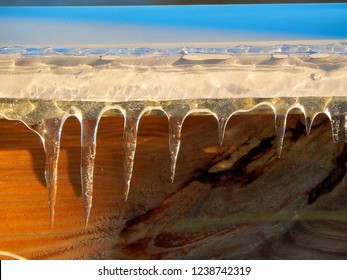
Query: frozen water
point(335, 48)
point(46, 118)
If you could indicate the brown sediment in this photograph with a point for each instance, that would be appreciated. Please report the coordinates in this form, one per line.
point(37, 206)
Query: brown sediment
point(236, 220)
point(243, 219)
point(333, 179)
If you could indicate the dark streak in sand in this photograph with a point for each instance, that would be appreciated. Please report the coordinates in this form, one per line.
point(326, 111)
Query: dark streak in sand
point(332, 180)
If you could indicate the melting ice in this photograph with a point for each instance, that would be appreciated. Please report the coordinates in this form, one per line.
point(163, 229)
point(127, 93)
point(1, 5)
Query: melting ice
point(46, 118)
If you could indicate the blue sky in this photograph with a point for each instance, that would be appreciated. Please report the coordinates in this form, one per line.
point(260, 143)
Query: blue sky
point(306, 21)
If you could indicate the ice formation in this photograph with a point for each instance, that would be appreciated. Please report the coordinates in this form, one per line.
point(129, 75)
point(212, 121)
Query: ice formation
point(221, 82)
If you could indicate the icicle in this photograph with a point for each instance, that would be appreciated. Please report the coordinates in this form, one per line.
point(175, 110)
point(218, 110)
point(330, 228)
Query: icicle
point(336, 111)
point(223, 110)
point(339, 129)
point(50, 132)
point(308, 122)
point(176, 113)
point(175, 127)
point(312, 107)
point(89, 127)
point(132, 119)
point(222, 123)
point(280, 121)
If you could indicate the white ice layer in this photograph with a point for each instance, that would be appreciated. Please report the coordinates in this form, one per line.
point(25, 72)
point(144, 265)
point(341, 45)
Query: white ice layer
point(259, 72)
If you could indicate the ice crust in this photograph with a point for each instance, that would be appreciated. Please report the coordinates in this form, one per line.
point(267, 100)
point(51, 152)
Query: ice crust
point(42, 87)
point(129, 74)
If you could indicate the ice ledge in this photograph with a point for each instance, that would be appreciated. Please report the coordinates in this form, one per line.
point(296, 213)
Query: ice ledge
point(126, 74)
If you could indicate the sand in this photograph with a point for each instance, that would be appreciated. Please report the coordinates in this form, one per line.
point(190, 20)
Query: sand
point(176, 73)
